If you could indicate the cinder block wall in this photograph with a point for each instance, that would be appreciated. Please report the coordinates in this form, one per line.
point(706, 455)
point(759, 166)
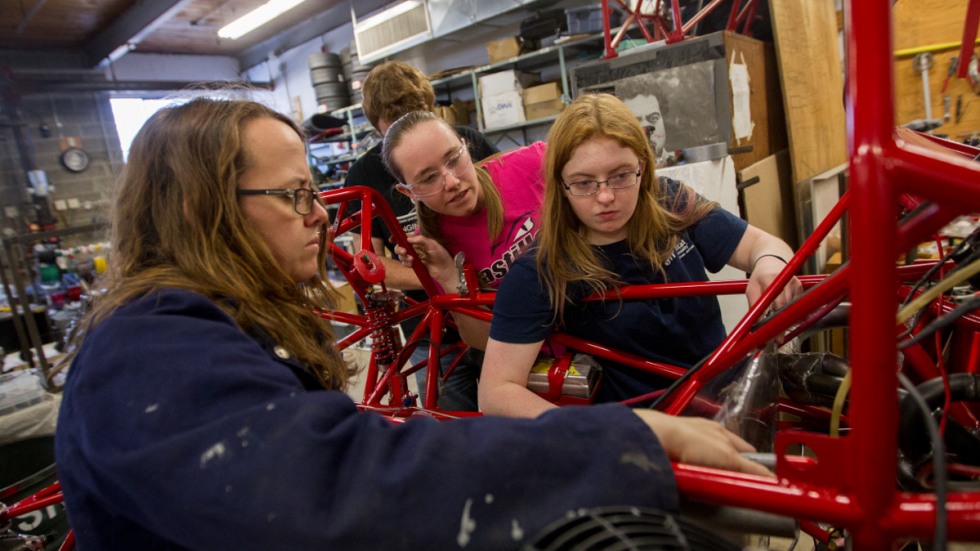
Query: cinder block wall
point(34, 129)
point(79, 198)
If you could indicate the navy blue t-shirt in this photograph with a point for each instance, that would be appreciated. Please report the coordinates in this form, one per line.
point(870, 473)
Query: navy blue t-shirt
point(674, 330)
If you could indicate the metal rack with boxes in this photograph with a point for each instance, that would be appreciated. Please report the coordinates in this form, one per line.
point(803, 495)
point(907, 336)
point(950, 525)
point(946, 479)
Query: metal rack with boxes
point(501, 89)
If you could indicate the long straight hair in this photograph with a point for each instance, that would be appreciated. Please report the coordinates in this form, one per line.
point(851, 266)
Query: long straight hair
point(397, 133)
point(176, 223)
point(564, 254)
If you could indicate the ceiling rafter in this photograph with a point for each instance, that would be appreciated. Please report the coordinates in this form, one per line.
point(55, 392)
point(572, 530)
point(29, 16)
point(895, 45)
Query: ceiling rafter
point(130, 29)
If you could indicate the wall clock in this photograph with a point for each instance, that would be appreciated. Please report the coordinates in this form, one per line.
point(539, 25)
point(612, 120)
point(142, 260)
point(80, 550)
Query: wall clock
point(74, 159)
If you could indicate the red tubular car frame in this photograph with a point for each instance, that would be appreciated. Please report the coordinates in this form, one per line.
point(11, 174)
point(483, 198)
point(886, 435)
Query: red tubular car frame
point(46, 497)
point(851, 485)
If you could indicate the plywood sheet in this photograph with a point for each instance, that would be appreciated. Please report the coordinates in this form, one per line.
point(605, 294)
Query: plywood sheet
point(755, 62)
point(925, 25)
point(806, 40)
point(769, 202)
point(920, 22)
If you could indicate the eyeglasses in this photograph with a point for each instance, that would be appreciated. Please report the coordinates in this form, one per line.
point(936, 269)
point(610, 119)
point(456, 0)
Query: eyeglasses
point(436, 181)
point(623, 180)
point(303, 197)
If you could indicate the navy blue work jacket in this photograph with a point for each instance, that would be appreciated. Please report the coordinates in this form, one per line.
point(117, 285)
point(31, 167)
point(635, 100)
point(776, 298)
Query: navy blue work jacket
point(180, 431)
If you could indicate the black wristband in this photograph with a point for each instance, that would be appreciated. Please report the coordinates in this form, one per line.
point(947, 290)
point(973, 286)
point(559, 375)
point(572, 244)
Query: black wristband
point(761, 256)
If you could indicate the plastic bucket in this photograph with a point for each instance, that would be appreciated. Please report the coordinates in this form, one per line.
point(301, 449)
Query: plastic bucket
point(27, 467)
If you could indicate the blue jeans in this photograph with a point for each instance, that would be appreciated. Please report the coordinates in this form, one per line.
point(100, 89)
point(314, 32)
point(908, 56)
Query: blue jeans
point(458, 393)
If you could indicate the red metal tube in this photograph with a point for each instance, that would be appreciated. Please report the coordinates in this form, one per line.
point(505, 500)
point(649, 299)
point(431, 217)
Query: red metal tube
point(870, 119)
point(772, 495)
point(969, 36)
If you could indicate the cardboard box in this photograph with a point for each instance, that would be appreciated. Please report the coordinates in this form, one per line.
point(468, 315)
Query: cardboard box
point(543, 100)
point(768, 199)
point(542, 93)
point(503, 49)
point(580, 381)
point(347, 302)
point(502, 109)
point(446, 113)
point(506, 81)
point(543, 109)
point(464, 110)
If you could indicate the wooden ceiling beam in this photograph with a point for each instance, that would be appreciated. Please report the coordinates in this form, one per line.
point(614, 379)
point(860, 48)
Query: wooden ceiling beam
point(129, 29)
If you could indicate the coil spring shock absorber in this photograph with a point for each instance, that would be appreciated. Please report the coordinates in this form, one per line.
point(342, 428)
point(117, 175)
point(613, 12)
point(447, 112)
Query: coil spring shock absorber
point(380, 310)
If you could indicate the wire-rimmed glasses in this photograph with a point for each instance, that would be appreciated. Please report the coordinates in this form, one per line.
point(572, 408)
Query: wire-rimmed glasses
point(434, 182)
point(623, 180)
point(303, 197)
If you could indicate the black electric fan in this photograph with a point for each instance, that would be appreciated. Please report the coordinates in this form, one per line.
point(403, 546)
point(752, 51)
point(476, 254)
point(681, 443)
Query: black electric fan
point(627, 529)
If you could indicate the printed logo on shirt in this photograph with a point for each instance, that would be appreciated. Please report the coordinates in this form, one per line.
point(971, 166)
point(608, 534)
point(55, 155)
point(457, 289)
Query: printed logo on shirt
point(409, 222)
point(522, 238)
point(525, 229)
point(680, 251)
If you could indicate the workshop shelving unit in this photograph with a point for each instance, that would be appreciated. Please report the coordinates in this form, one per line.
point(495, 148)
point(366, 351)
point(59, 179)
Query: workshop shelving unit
point(16, 250)
point(324, 155)
point(559, 56)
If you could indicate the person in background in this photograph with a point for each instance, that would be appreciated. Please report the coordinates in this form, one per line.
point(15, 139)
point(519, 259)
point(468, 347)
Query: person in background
point(204, 406)
point(650, 108)
point(391, 90)
point(489, 211)
point(608, 222)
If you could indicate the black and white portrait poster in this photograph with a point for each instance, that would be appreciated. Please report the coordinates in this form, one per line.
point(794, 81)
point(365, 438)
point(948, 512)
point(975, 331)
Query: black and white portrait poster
point(676, 106)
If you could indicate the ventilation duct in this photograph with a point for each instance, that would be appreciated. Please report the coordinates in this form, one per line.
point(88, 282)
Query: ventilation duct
point(391, 29)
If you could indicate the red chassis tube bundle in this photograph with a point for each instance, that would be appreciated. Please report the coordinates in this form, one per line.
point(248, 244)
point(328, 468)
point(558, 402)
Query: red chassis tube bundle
point(812, 491)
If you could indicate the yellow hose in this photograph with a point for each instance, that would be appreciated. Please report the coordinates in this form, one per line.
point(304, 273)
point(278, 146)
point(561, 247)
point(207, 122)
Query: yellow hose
point(839, 398)
point(925, 298)
point(930, 48)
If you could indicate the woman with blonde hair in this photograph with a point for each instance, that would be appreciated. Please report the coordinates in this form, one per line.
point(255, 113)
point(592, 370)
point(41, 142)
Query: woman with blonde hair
point(607, 222)
point(204, 404)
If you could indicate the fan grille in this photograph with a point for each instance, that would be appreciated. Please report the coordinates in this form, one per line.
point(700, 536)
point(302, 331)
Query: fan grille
point(626, 529)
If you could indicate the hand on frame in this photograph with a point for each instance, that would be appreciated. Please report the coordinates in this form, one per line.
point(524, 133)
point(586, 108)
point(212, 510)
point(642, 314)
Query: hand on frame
point(699, 441)
point(765, 272)
point(430, 252)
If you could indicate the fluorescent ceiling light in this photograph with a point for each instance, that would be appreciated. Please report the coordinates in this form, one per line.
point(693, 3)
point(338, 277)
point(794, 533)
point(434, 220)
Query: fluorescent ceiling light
point(387, 14)
point(256, 18)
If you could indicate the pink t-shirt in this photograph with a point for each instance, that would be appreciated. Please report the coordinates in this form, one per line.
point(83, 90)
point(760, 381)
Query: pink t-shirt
point(519, 176)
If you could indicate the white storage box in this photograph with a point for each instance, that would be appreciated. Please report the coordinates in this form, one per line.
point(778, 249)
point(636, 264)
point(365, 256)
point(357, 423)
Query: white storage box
point(502, 109)
point(506, 81)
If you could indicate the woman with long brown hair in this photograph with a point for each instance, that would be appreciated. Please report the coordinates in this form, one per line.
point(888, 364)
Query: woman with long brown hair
point(608, 222)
